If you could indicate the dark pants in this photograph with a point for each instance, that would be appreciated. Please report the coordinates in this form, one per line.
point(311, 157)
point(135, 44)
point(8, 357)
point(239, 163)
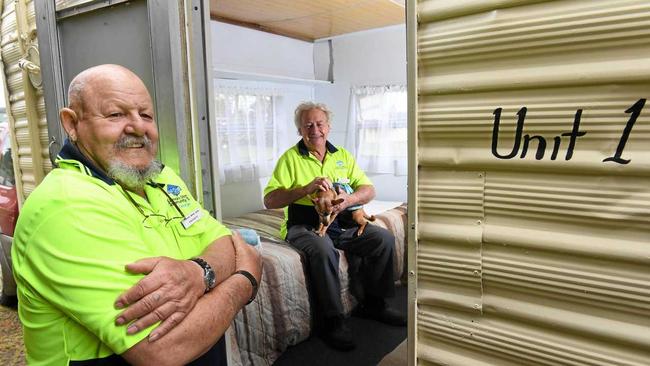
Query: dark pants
point(215, 356)
point(371, 259)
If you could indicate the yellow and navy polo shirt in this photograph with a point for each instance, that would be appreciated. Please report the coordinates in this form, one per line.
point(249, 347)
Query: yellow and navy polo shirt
point(297, 168)
point(75, 234)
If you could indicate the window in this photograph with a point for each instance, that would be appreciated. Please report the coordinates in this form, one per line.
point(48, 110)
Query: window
point(378, 128)
point(254, 126)
point(246, 126)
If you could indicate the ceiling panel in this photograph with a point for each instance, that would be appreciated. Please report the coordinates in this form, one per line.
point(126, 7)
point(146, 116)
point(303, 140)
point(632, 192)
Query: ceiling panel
point(309, 19)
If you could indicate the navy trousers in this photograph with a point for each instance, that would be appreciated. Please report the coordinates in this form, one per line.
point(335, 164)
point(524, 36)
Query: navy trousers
point(371, 264)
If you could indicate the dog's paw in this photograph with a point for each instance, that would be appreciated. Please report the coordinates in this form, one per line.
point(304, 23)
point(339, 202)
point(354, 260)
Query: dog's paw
point(361, 229)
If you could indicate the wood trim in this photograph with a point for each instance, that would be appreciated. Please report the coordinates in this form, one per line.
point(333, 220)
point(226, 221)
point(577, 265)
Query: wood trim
point(258, 27)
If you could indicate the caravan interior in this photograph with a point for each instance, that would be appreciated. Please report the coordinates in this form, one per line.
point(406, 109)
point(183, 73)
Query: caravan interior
point(260, 77)
point(350, 55)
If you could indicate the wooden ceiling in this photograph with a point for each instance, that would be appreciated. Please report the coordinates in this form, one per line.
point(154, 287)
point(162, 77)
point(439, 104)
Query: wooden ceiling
point(309, 19)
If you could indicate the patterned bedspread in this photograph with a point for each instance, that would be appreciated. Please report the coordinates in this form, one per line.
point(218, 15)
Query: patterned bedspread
point(280, 316)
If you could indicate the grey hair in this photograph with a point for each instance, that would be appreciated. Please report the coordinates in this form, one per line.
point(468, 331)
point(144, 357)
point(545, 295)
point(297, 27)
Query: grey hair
point(75, 95)
point(307, 106)
point(77, 87)
point(132, 177)
point(129, 176)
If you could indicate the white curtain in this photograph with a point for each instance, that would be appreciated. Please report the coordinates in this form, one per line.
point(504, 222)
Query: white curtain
point(246, 132)
point(377, 128)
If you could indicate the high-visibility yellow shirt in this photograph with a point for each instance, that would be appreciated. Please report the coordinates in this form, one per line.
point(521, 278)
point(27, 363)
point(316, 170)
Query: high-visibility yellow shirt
point(75, 234)
point(297, 168)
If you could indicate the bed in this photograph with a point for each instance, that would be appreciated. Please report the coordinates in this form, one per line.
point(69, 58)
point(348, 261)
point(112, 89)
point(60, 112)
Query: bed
point(280, 316)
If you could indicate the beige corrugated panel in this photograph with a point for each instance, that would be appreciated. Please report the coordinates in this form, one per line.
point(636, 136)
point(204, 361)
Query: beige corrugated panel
point(25, 103)
point(523, 261)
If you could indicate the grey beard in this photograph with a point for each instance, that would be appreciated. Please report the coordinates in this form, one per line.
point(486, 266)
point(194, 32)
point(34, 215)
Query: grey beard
point(131, 177)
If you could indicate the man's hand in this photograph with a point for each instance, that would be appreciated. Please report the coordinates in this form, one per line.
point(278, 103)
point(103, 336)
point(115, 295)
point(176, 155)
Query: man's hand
point(348, 200)
point(362, 195)
point(318, 184)
point(282, 197)
point(167, 293)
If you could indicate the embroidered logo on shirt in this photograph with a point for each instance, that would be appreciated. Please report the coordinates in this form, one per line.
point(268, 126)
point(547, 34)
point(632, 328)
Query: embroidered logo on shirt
point(182, 201)
point(172, 189)
point(340, 163)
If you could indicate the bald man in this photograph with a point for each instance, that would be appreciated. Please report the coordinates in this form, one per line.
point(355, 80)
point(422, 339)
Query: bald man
point(115, 261)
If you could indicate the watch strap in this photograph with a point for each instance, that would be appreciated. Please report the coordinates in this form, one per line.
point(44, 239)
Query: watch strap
point(253, 281)
point(209, 277)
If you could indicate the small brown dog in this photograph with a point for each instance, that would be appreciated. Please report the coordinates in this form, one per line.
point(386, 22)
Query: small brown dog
point(323, 203)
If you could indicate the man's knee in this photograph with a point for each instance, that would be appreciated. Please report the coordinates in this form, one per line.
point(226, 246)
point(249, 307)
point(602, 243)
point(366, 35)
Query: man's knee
point(317, 248)
point(381, 236)
point(323, 250)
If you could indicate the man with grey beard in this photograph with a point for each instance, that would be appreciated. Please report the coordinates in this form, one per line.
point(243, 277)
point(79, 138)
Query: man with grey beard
point(116, 263)
point(130, 176)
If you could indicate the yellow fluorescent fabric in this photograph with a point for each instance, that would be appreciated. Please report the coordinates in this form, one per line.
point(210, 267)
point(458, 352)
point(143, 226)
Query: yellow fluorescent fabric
point(74, 237)
point(297, 168)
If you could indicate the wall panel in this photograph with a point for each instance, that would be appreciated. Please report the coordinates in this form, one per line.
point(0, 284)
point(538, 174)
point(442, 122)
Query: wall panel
point(533, 183)
point(25, 102)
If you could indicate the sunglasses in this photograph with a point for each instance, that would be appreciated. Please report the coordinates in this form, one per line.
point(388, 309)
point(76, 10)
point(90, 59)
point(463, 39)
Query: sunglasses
point(152, 220)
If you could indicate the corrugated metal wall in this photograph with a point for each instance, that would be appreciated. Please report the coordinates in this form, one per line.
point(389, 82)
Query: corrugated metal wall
point(25, 103)
point(531, 256)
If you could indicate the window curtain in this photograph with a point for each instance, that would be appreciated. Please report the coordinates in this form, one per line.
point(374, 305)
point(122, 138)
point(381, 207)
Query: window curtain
point(246, 132)
point(377, 128)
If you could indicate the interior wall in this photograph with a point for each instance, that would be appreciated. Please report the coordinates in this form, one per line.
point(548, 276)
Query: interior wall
point(375, 57)
point(244, 50)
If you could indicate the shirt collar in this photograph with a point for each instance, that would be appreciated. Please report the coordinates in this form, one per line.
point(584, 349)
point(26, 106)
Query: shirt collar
point(302, 148)
point(71, 152)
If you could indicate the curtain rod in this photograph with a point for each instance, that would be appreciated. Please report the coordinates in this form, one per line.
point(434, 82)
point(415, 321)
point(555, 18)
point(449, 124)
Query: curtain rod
point(242, 75)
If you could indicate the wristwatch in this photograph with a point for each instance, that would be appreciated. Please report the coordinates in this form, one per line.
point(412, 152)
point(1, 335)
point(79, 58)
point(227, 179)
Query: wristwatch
point(209, 277)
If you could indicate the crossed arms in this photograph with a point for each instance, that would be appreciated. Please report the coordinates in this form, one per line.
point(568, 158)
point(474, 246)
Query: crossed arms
point(173, 292)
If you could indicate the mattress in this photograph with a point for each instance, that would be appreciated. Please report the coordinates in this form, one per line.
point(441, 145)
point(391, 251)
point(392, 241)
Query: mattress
point(280, 316)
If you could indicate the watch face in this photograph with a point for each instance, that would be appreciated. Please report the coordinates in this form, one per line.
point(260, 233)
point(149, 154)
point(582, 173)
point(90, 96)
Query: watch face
point(211, 279)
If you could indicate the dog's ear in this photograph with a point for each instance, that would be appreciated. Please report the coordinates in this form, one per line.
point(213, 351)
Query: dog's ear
point(337, 201)
point(315, 200)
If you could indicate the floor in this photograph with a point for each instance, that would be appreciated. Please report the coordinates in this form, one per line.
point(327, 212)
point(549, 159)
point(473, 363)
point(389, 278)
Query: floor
point(12, 350)
point(374, 341)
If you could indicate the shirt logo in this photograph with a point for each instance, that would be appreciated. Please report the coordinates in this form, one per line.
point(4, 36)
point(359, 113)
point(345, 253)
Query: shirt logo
point(340, 163)
point(172, 189)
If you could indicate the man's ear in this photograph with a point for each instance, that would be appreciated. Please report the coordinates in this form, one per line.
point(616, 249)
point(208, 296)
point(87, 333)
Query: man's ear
point(69, 121)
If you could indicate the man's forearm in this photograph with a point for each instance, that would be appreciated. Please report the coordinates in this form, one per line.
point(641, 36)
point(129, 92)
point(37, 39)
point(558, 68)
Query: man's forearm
point(284, 197)
point(362, 195)
point(199, 331)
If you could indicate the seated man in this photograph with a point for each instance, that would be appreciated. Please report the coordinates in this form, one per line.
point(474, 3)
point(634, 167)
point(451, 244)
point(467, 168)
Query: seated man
point(315, 164)
point(115, 262)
